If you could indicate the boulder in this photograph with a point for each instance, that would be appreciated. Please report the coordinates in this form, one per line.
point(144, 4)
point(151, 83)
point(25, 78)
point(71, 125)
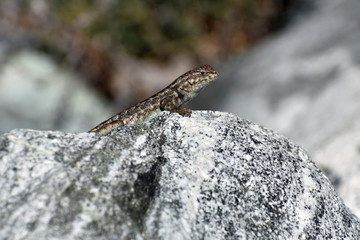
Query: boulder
point(209, 176)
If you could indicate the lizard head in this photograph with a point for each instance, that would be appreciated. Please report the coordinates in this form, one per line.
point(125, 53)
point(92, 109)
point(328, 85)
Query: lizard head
point(199, 78)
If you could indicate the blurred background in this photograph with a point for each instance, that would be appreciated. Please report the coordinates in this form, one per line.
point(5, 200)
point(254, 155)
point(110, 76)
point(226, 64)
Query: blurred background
point(289, 65)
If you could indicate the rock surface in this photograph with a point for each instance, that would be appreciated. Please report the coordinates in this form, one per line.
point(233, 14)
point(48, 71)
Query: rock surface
point(210, 176)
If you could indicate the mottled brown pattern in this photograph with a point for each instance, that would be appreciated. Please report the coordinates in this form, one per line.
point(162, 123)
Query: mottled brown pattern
point(171, 98)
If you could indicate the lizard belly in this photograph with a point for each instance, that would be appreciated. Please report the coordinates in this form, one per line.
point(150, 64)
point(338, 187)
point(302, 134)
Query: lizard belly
point(145, 117)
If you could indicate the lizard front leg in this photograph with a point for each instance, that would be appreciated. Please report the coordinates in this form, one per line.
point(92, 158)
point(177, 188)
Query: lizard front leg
point(168, 105)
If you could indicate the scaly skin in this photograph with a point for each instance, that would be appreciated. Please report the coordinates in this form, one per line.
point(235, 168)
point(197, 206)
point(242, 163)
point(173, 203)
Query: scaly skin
point(171, 98)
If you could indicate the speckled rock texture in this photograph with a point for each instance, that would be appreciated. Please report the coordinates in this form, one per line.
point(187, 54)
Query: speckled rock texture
point(208, 176)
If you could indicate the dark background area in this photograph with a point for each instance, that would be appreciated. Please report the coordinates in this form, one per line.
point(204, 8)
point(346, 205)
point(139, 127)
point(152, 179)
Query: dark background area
point(97, 38)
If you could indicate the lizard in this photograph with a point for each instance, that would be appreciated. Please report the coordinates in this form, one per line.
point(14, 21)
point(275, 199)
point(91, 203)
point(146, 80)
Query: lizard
point(171, 98)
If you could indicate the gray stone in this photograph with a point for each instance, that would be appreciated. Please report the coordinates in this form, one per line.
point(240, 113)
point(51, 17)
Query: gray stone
point(210, 176)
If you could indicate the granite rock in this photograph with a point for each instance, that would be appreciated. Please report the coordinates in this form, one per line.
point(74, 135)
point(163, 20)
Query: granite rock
point(208, 176)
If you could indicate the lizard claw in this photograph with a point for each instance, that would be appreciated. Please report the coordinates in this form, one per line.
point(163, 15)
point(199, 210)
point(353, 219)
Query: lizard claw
point(184, 112)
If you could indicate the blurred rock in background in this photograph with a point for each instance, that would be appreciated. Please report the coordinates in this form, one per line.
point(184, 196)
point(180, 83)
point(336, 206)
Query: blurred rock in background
point(53, 51)
point(36, 93)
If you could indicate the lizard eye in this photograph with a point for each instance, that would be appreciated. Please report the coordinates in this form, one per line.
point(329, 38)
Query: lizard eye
point(202, 73)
